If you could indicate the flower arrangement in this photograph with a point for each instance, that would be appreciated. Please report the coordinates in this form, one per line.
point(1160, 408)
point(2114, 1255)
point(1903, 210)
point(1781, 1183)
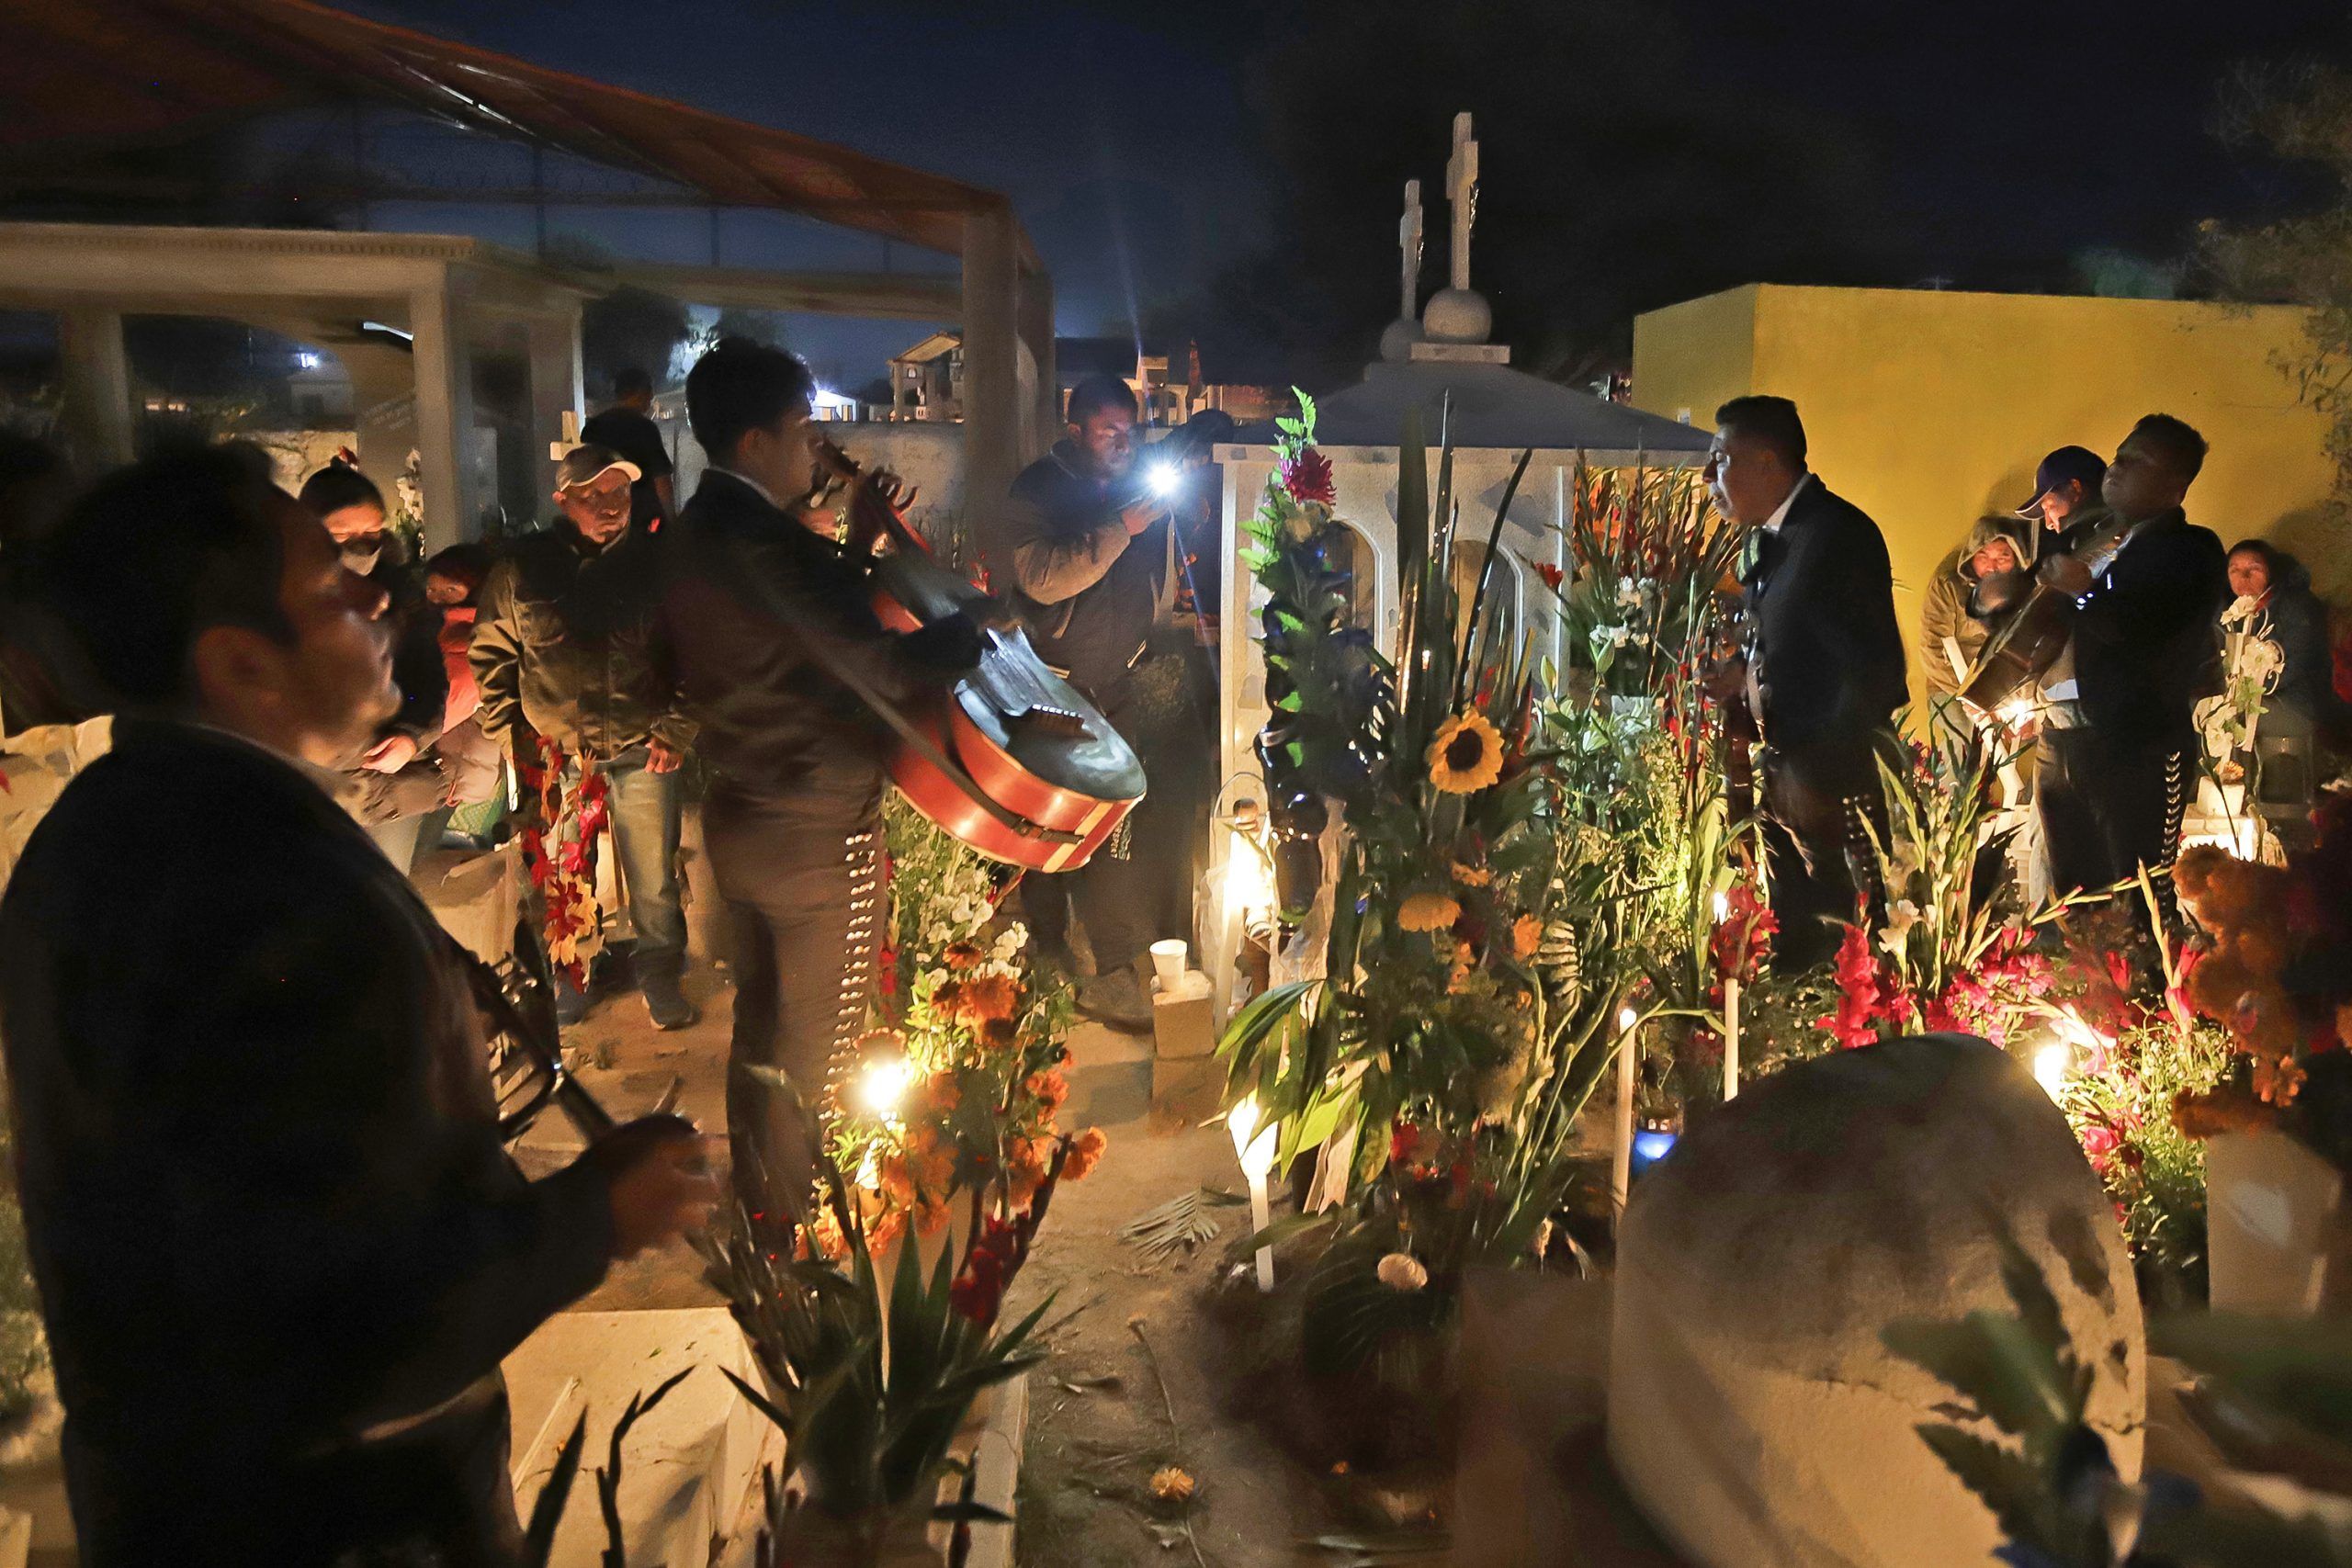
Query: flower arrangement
point(870, 1381)
point(2272, 971)
point(1956, 950)
point(956, 1094)
point(567, 808)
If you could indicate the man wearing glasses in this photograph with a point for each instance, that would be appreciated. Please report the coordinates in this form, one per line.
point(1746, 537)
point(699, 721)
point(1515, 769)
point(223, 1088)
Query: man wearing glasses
point(564, 646)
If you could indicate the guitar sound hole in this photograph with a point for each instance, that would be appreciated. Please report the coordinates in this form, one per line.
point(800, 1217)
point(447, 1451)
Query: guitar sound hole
point(1055, 721)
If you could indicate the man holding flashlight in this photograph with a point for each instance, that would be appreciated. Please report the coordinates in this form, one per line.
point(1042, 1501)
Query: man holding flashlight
point(1083, 549)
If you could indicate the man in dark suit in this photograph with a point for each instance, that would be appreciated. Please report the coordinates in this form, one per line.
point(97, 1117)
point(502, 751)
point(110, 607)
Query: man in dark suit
point(1824, 665)
point(280, 1249)
point(765, 614)
point(2116, 753)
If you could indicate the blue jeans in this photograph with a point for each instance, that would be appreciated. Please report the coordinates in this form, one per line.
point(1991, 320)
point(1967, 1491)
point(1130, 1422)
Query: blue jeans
point(645, 830)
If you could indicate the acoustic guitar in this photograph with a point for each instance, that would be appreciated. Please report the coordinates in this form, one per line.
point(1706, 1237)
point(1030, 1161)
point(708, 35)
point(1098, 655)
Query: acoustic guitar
point(1011, 759)
point(2017, 655)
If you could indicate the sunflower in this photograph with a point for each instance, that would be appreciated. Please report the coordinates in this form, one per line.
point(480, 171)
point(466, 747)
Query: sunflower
point(1428, 912)
point(1466, 756)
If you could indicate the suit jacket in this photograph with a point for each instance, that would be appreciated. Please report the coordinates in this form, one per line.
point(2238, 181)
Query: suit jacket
point(753, 605)
point(2145, 647)
point(263, 1193)
point(1821, 612)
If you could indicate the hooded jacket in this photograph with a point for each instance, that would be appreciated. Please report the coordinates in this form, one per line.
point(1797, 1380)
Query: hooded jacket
point(1944, 608)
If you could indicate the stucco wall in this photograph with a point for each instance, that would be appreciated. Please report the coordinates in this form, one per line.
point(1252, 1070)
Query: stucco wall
point(1927, 409)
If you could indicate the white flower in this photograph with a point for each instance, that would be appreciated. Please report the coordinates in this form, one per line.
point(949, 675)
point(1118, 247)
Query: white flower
point(1628, 591)
point(1901, 916)
point(2241, 611)
point(1620, 635)
point(1011, 941)
point(1402, 1271)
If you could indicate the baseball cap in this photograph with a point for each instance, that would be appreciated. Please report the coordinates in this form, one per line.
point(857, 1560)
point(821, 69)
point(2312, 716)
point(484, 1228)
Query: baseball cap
point(585, 465)
point(2064, 464)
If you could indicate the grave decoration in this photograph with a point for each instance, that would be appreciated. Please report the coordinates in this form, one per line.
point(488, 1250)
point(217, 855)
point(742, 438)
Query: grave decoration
point(1523, 844)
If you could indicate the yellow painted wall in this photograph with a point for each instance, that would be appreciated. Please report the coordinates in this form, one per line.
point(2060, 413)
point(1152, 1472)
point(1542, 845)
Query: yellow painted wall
point(1927, 409)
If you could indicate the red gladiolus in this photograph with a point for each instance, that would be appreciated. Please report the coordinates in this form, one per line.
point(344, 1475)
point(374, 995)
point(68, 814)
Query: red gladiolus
point(1308, 478)
point(1551, 575)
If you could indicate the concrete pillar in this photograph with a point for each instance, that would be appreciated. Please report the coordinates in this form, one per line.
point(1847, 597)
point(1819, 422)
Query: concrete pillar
point(991, 367)
point(1043, 420)
point(95, 385)
point(443, 418)
point(556, 390)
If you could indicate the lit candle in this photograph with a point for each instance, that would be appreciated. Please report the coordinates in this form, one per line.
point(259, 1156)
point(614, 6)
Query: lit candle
point(1254, 1147)
point(1731, 1003)
point(1621, 1170)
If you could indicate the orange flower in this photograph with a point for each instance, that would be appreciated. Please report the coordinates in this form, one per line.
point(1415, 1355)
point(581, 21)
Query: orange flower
point(1472, 875)
point(1428, 912)
point(1526, 937)
point(998, 1034)
point(930, 1217)
point(827, 1229)
point(1027, 1156)
point(946, 1091)
point(979, 1000)
point(960, 955)
point(931, 1163)
point(888, 1226)
point(894, 1181)
point(1085, 1151)
point(1049, 1089)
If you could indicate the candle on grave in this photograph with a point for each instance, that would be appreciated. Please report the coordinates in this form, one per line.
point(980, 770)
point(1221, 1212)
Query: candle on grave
point(1254, 1147)
point(1731, 1005)
point(1620, 1168)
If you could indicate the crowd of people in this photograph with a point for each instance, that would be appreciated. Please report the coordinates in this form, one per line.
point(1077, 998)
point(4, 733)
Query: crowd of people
point(248, 1073)
point(2106, 689)
point(247, 1069)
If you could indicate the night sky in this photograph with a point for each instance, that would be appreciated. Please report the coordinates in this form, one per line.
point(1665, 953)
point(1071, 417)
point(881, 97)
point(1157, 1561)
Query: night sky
point(1231, 172)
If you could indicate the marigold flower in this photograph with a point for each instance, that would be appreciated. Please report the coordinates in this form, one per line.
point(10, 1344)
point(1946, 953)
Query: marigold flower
point(1085, 1152)
point(1050, 1090)
point(1428, 912)
point(998, 1034)
point(1526, 937)
point(1472, 875)
point(1466, 755)
point(944, 1090)
point(978, 1000)
point(960, 955)
point(1171, 1485)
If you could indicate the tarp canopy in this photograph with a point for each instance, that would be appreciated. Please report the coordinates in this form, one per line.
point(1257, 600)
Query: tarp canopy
point(83, 77)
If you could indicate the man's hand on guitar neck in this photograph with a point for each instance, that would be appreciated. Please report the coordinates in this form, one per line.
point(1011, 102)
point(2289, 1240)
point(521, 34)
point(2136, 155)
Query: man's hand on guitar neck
point(1139, 515)
point(2064, 574)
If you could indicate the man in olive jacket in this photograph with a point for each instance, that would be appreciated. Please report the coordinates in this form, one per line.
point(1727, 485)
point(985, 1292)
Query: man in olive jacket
point(565, 645)
point(279, 1247)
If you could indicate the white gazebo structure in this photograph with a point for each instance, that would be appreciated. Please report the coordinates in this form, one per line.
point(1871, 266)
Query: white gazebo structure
point(1496, 412)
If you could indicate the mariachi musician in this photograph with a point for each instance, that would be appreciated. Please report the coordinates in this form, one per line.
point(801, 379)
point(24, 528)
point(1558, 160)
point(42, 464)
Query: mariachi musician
point(2135, 589)
point(762, 606)
point(1823, 666)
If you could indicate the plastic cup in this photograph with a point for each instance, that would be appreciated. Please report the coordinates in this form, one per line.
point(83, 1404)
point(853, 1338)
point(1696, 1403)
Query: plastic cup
point(1170, 959)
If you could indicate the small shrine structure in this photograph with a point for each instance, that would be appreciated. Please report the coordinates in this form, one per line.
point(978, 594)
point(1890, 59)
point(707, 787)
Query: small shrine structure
point(1435, 357)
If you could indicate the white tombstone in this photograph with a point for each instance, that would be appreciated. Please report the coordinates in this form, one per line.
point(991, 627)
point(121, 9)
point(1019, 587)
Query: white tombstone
point(1755, 1414)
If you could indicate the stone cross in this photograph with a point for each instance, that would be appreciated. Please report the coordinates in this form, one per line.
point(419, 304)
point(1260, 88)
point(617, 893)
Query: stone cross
point(1409, 239)
point(1461, 193)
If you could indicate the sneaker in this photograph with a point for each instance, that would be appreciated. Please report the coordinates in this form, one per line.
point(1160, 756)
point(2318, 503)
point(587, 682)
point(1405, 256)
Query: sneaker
point(571, 1004)
point(1117, 1000)
point(664, 1003)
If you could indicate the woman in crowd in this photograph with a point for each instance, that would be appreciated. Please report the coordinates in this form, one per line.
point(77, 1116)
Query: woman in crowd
point(397, 785)
point(2274, 599)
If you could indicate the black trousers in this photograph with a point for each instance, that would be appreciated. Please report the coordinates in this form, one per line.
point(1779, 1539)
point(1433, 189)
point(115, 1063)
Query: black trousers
point(2106, 809)
point(800, 874)
point(1816, 849)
